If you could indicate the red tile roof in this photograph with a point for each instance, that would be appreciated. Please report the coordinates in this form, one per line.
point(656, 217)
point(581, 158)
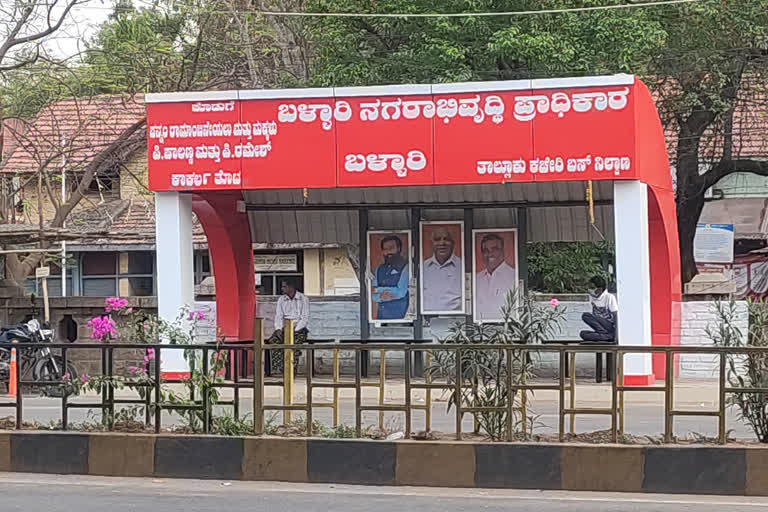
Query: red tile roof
point(75, 129)
point(749, 131)
point(12, 129)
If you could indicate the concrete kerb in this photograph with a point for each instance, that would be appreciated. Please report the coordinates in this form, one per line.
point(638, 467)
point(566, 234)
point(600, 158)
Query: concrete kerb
point(121, 455)
point(735, 470)
point(275, 459)
point(5, 452)
point(431, 463)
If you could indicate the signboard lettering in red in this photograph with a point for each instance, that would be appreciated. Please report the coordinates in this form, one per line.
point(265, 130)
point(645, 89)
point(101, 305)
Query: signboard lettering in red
point(394, 136)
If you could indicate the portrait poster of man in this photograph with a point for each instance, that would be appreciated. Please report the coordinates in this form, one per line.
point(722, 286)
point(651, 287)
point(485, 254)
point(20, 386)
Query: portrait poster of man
point(494, 272)
point(389, 264)
point(442, 268)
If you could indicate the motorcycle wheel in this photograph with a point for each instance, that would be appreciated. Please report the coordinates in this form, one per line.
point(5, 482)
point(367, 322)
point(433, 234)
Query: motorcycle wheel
point(46, 371)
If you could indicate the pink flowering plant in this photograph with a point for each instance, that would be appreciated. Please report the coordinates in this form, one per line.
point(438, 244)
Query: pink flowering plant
point(103, 328)
point(123, 324)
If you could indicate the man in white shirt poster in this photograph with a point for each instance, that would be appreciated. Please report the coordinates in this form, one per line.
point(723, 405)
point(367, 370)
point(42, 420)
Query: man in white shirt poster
point(442, 277)
point(496, 277)
point(292, 305)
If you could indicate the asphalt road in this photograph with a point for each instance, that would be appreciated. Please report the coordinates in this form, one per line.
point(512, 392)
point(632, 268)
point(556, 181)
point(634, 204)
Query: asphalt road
point(47, 493)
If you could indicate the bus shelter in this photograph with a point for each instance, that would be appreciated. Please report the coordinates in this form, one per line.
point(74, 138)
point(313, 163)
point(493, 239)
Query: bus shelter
point(471, 163)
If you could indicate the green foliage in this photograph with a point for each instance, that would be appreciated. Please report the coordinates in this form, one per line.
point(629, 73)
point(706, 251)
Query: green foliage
point(135, 51)
point(141, 50)
point(360, 51)
point(228, 425)
point(567, 267)
point(486, 374)
point(745, 370)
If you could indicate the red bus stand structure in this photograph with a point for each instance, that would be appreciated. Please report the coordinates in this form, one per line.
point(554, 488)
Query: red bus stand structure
point(514, 144)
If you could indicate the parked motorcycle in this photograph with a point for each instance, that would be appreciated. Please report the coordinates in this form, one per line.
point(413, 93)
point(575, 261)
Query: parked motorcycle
point(35, 358)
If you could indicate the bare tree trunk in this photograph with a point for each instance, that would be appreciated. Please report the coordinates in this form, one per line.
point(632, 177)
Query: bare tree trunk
point(688, 213)
point(294, 51)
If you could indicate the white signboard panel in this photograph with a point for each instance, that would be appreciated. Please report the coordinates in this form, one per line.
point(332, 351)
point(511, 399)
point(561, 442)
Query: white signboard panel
point(205, 329)
point(275, 263)
point(713, 243)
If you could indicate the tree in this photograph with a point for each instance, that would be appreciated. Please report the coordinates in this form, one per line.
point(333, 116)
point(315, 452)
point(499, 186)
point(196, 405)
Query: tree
point(82, 138)
point(77, 143)
point(703, 60)
point(173, 46)
point(710, 78)
point(26, 25)
point(240, 48)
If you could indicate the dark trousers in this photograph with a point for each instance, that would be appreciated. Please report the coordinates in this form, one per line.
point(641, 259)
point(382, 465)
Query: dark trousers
point(277, 356)
point(603, 330)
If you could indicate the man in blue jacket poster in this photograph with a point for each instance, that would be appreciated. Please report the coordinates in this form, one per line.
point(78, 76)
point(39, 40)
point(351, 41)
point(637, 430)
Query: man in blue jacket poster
point(390, 281)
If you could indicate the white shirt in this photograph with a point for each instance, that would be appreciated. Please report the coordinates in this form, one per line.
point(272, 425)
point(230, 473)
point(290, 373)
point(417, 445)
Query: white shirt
point(604, 305)
point(491, 291)
point(296, 309)
point(442, 285)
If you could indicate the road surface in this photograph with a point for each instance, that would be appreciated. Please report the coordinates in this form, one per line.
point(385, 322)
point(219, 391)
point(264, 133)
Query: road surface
point(45, 493)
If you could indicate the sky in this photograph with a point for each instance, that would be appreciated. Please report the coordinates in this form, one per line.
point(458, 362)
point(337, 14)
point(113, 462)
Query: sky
point(82, 24)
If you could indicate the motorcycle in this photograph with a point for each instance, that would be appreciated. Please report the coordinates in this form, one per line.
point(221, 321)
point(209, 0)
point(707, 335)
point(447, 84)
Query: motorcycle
point(34, 357)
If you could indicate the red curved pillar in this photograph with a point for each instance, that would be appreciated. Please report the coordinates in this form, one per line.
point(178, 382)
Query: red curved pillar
point(665, 273)
point(229, 242)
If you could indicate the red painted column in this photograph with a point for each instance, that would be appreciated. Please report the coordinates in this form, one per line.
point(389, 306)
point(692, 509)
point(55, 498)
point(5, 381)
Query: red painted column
point(665, 273)
point(229, 241)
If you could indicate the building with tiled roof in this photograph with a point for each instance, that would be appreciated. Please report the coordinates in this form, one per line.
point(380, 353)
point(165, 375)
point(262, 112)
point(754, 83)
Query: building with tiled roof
point(71, 132)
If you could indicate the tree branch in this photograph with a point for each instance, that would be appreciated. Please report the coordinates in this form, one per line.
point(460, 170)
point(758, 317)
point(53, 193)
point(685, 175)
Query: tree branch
point(22, 63)
point(727, 166)
point(92, 168)
point(13, 40)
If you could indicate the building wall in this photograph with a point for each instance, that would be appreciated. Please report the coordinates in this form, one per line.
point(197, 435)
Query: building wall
point(133, 180)
point(339, 277)
point(312, 272)
point(133, 177)
point(697, 319)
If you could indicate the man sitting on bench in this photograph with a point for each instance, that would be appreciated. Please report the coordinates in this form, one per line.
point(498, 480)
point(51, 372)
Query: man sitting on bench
point(292, 305)
point(604, 316)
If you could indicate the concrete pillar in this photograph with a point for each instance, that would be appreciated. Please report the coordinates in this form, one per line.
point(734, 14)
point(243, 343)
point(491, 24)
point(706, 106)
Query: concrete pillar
point(630, 207)
point(175, 279)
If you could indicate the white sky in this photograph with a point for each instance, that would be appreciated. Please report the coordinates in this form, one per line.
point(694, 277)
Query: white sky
point(82, 24)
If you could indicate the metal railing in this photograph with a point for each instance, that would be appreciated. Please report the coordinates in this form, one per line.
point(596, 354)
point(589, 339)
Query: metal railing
point(152, 402)
point(564, 382)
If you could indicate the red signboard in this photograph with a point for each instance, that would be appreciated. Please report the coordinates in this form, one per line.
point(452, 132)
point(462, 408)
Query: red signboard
point(294, 144)
point(405, 137)
point(498, 149)
point(582, 134)
point(386, 141)
point(191, 145)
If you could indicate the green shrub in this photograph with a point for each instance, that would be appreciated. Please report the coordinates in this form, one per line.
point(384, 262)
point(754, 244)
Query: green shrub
point(567, 267)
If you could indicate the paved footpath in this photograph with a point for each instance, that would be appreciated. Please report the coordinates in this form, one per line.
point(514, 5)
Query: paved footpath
point(644, 409)
point(28, 492)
